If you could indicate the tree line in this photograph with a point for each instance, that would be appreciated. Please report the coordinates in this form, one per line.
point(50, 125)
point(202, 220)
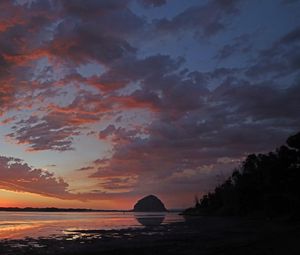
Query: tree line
point(265, 184)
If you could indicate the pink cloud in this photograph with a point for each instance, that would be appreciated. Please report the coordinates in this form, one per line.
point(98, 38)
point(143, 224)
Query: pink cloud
point(17, 176)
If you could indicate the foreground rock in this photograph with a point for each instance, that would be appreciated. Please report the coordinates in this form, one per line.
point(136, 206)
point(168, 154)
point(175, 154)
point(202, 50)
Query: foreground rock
point(149, 204)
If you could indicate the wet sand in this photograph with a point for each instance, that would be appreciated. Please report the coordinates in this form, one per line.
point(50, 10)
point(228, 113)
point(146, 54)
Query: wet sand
point(197, 236)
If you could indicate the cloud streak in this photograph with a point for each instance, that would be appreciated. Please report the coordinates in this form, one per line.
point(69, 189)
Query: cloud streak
point(18, 176)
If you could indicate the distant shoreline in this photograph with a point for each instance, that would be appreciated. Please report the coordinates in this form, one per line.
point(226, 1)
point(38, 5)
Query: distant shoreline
point(54, 209)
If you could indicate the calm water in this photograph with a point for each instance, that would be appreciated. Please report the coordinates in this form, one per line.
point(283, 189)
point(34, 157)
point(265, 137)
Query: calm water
point(42, 224)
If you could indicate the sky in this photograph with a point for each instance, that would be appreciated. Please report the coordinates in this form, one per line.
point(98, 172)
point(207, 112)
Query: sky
point(105, 101)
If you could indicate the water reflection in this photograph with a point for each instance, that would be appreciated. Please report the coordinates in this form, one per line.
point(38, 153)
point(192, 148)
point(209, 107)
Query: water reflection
point(150, 220)
point(44, 224)
point(16, 230)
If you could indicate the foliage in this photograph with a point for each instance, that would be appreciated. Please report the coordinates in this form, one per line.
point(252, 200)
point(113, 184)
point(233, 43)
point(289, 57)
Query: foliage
point(265, 184)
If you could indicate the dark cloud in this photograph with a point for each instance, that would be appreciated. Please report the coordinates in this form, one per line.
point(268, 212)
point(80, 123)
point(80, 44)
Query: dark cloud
point(91, 8)
point(132, 69)
point(259, 101)
point(84, 43)
point(85, 168)
point(204, 20)
point(154, 3)
point(20, 48)
point(55, 130)
point(240, 44)
point(44, 135)
point(235, 120)
point(280, 60)
point(292, 36)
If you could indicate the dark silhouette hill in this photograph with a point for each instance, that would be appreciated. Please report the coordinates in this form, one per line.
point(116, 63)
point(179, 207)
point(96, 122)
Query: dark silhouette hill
point(265, 184)
point(149, 204)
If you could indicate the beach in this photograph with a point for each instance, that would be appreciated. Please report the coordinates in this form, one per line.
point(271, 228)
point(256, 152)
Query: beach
point(201, 235)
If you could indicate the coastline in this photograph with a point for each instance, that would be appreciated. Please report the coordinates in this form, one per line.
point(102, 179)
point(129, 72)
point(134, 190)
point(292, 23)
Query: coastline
point(200, 235)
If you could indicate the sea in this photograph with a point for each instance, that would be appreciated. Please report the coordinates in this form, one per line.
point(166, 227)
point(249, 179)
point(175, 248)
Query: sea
point(19, 225)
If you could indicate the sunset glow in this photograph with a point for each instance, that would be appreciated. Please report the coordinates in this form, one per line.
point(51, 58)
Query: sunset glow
point(104, 102)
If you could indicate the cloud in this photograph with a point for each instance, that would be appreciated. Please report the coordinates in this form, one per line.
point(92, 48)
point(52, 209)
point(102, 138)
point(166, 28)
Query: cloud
point(290, 37)
point(205, 20)
point(85, 168)
point(132, 69)
point(234, 121)
point(20, 47)
point(240, 44)
point(118, 184)
point(153, 3)
point(56, 129)
point(66, 33)
point(281, 59)
point(85, 42)
point(92, 8)
point(17, 176)
point(44, 135)
point(169, 119)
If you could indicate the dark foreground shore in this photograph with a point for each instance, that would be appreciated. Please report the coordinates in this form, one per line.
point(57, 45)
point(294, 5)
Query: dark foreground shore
point(196, 236)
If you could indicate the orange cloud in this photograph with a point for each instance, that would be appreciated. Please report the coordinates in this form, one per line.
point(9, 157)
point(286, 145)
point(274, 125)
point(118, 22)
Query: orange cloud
point(17, 176)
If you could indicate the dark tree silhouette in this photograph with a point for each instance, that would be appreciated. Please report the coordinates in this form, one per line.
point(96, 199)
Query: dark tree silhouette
point(265, 184)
